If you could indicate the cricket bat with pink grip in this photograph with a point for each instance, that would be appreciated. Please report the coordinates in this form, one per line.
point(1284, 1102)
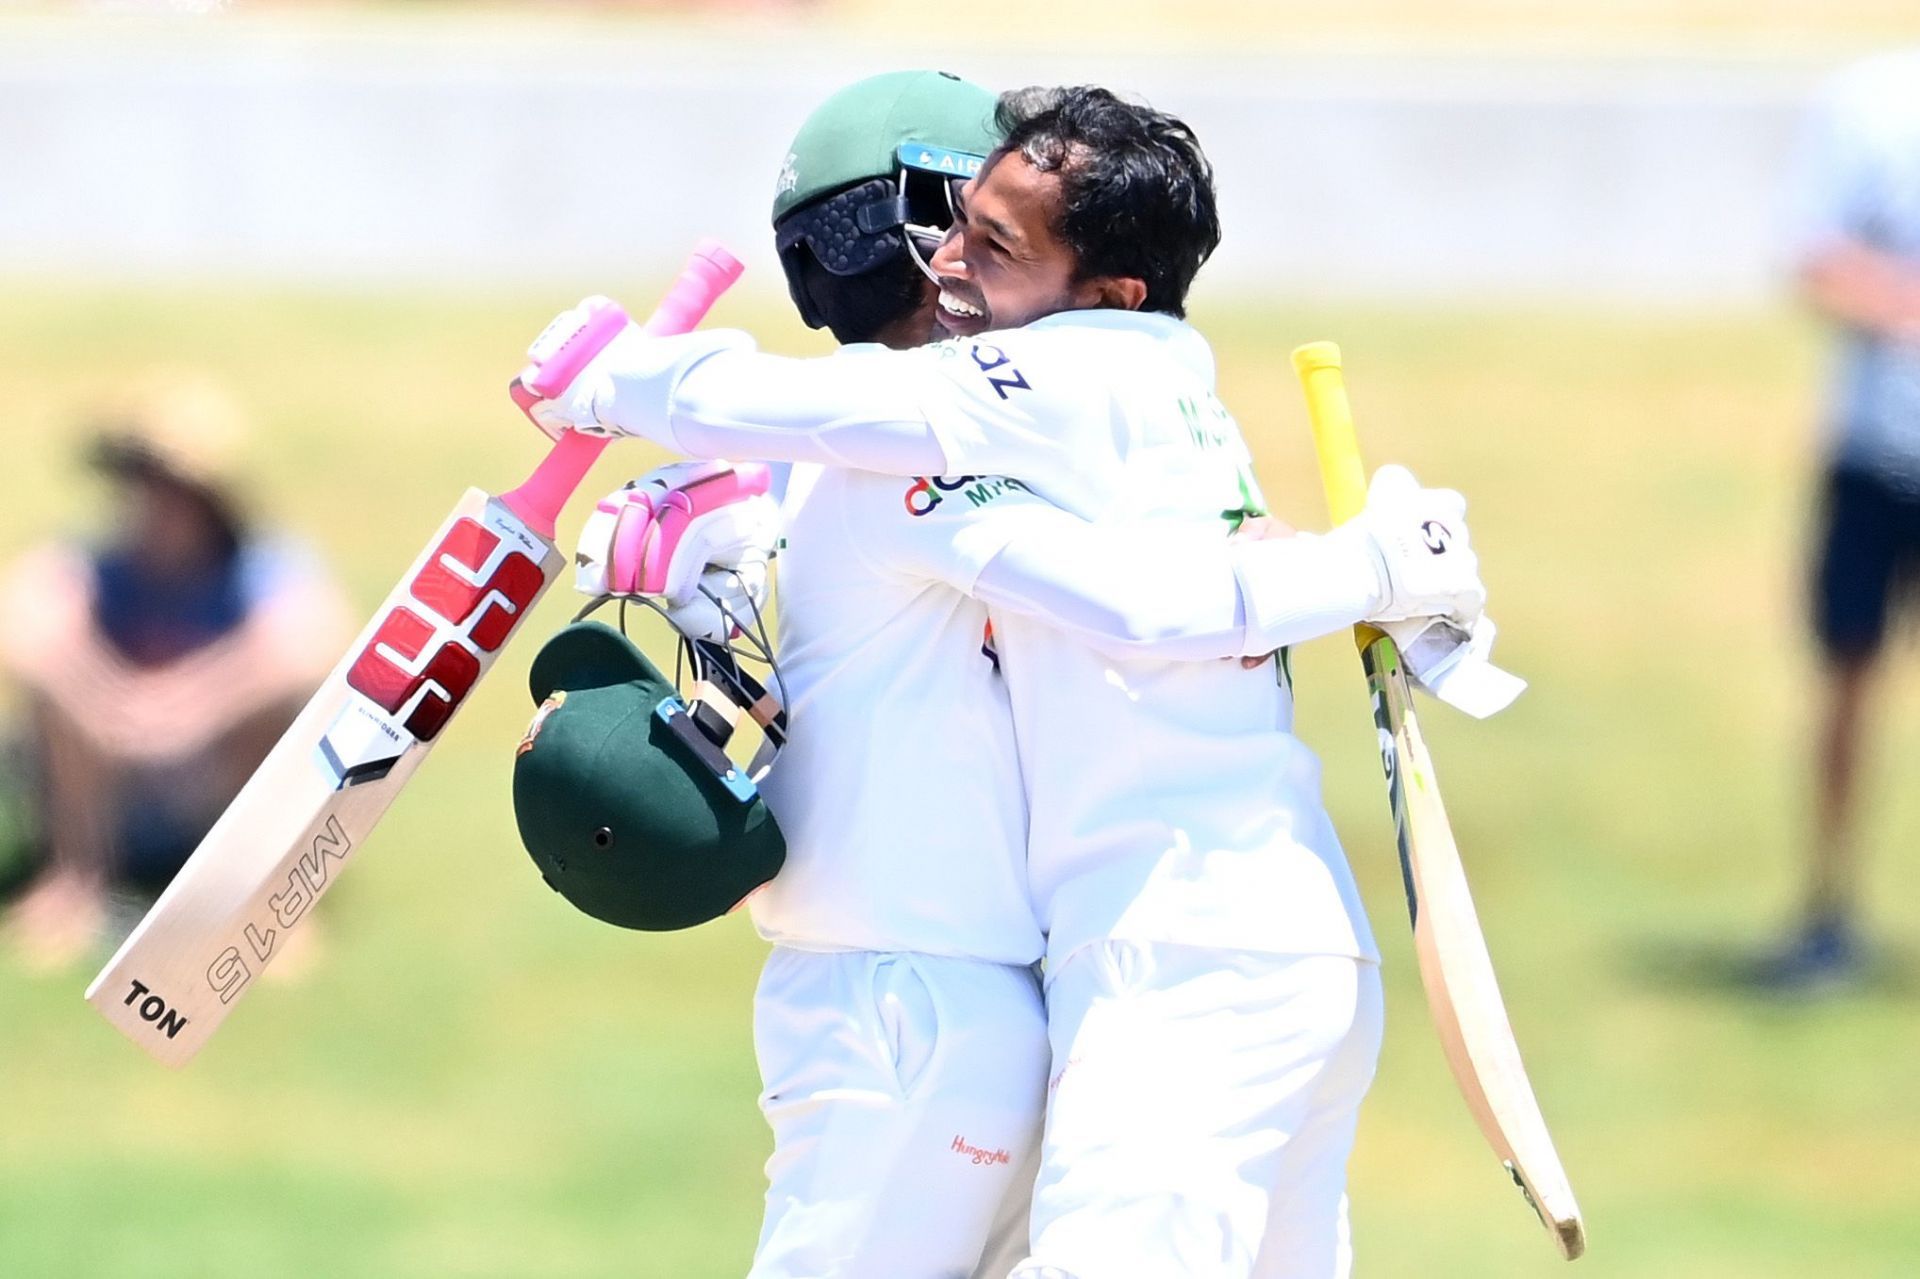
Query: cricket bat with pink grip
point(1455, 968)
point(316, 797)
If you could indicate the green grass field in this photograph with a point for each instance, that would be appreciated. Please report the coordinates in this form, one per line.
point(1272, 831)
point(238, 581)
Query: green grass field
point(477, 1082)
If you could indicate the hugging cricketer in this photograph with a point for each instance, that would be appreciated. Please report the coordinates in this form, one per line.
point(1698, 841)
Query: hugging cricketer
point(1069, 977)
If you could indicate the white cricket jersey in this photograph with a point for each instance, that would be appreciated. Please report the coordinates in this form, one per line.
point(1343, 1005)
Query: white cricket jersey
point(899, 790)
point(1168, 801)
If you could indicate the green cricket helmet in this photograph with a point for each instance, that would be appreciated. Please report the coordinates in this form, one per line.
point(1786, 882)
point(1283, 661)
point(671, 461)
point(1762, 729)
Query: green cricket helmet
point(867, 189)
point(622, 790)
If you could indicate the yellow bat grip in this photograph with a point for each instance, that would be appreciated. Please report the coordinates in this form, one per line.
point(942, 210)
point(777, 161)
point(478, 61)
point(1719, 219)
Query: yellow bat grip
point(1341, 472)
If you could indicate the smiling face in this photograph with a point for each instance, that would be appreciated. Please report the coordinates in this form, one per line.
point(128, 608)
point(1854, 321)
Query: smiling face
point(1004, 263)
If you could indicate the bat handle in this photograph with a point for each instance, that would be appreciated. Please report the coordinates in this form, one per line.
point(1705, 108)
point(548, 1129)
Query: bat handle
point(708, 273)
point(1342, 474)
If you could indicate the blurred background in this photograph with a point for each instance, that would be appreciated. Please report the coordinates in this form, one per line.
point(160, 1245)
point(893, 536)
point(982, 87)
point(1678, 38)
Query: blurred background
point(1549, 236)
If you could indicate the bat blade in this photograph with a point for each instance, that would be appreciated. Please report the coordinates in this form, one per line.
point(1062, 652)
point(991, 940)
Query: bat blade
point(1456, 970)
point(297, 822)
point(310, 804)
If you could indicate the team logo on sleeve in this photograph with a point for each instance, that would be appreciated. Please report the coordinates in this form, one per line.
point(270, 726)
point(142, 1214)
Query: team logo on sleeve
point(924, 494)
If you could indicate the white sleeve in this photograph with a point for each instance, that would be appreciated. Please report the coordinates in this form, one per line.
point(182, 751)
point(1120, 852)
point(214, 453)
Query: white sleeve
point(1019, 402)
point(986, 406)
point(712, 394)
point(1126, 591)
point(1179, 592)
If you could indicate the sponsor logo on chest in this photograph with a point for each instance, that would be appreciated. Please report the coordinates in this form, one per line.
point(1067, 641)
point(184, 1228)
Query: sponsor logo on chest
point(925, 494)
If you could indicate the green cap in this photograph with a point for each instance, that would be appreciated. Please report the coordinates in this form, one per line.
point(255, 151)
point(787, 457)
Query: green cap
point(859, 132)
point(630, 813)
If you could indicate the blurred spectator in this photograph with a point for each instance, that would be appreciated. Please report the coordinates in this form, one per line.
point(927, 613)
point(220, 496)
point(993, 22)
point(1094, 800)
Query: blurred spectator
point(1857, 240)
point(156, 667)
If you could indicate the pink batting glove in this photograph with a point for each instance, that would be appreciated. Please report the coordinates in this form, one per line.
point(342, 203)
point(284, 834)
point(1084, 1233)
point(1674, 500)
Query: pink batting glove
point(658, 534)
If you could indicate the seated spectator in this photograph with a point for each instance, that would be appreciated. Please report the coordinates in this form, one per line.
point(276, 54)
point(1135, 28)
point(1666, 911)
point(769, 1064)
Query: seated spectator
point(156, 665)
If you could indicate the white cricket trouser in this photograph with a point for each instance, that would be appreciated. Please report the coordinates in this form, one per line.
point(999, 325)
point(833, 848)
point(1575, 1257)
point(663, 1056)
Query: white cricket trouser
point(1201, 1112)
point(905, 1094)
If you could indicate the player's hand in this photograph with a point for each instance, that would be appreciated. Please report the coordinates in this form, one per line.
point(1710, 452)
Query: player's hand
point(680, 527)
point(626, 388)
point(572, 409)
point(1420, 547)
point(725, 602)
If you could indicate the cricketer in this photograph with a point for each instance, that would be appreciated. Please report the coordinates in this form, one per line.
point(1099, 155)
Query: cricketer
point(1092, 791)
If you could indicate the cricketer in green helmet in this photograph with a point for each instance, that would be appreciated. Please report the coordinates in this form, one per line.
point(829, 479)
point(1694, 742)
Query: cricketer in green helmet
point(1118, 802)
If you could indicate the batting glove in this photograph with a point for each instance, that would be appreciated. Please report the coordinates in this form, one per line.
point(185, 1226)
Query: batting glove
point(696, 537)
point(1418, 540)
point(626, 389)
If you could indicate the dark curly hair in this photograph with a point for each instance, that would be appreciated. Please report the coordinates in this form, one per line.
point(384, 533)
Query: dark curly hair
point(1138, 191)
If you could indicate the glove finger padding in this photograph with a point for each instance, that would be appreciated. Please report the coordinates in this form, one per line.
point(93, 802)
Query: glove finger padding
point(1448, 503)
point(594, 548)
point(658, 534)
point(563, 327)
point(1422, 549)
point(725, 602)
point(566, 412)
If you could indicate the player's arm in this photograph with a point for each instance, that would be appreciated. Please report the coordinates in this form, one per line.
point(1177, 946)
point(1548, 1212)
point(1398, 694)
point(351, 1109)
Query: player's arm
point(968, 406)
point(1176, 592)
point(1167, 589)
point(712, 394)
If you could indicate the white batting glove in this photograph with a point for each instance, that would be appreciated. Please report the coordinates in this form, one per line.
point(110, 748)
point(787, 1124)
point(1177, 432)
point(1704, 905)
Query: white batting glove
point(627, 387)
point(726, 601)
point(680, 527)
point(1420, 548)
point(1455, 665)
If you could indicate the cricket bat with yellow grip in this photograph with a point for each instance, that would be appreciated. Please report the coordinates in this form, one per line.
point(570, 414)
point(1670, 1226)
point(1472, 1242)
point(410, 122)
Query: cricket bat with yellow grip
point(1455, 968)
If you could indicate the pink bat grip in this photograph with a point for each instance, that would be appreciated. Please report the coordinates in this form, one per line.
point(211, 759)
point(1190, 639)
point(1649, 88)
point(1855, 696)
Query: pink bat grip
point(708, 274)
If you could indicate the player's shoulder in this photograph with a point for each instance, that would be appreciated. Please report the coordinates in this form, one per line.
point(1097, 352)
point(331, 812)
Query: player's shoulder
point(1073, 354)
point(1149, 343)
point(1001, 362)
point(1101, 330)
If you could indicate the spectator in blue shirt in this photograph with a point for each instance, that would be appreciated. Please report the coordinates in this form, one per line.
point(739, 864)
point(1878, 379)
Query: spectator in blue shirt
point(157, 664)
point(1857, 243)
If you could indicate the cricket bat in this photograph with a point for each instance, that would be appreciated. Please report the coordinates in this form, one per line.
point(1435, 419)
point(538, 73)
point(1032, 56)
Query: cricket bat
point(315, 799)
point(1455, 968)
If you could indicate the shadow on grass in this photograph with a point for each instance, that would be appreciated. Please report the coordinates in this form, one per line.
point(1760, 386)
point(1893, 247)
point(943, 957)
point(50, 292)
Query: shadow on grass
point(1736, 969)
